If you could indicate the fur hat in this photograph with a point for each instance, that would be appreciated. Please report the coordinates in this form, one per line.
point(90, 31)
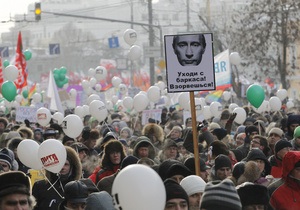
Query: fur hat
point(27, 131)
point(174, 190)
point(6, 156)
point(253, 194)
point(220, 195)
point(193, 184)
point(14, 182)
point(251, 173)
point(277, 131)
point(219, 147)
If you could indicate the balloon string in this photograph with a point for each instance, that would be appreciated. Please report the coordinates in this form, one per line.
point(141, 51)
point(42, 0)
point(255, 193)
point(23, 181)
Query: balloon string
point(52, 185)
point(113, 133)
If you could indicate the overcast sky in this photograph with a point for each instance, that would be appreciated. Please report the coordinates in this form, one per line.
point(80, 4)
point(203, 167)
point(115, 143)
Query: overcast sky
point(12, 7)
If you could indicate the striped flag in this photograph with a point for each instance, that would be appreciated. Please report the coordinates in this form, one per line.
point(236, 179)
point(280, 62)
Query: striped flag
point(1, 71)
point(20, 63)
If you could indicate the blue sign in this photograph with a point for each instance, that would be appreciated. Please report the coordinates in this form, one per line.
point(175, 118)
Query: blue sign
point(113, 42)
point(54, 49)
point(4, 52)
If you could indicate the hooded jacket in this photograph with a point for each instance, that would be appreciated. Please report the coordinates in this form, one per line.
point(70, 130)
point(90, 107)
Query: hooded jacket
point(287, 196)
point(48, 196)
point(144, 143)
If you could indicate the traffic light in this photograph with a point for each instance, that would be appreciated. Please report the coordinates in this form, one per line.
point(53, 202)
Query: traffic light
point(37, 11)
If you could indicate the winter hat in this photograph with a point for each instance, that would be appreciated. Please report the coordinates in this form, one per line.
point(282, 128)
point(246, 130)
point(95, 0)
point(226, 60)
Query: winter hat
point(249, 119)
point(12, 134)
point(238, 154)
point(250, 129)
point(193, 184)
point(171, 167)
point(169, 143)
point(128, 161)
point(222, 161)
point(14, 143)
point(220, 133)
point(66, 139)
point(113, 146)
point(174, 190)
point(190, 163)
point(90, 185)
point(213, 126)
point(277, 131)
point(76, 192)
point(282, 143)
point(220, 195)
point(297, 132)
point(219, 147)
point(240, 129)
point(124, 142)
point(6, 156)
point(99, 200)
point(14, 182)
point(253, 194)
point(4, 121)
point(256, 154)
point(238, 169)
point(78, 147)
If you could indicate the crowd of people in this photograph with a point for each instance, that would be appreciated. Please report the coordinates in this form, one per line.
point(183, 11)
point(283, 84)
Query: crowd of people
point(254, 165)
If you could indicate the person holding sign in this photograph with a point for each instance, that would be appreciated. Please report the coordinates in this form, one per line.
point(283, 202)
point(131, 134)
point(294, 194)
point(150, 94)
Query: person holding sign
point(189, 49)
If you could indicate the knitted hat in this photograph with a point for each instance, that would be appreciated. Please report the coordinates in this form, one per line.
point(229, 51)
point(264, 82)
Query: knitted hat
point(169, 143)
point(213, 126)
point(99, 200)
point(170, 167)
point(193, 184)
point(124, 142)
point(240, 129)
point(222, 161)
point(297, 132)
point(282, 143)
point(174, 190)
point(253, 194)
point(14, 182)
point(76, 192)
point(128, 161)
point(277, 131)
point(220, 195)
point(190, 163)
point(238, 169)
point(238, 154)
point(256, 154)
point(66, 139)
point(250, 129)
point(90, 185)
point(5, 156)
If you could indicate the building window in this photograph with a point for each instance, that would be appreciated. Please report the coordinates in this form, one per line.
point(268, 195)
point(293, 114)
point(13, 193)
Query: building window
point(176, 17)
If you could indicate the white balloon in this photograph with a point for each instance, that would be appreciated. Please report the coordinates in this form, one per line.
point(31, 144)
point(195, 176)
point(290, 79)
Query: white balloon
point(109, 105)
point(79, 111)
point(232, 106)
point(37, 97)
point(10, 73)
point(140, 102)
point(98, 110)
point(290, 104)
point(93, 82)
point(100, 73)
point(206, 112)
point(235, 58)
point(142, 92)
point(216, 108)
point(86, 110)
point(128, 102)
point(123, 88)
point(85, 84)
point(116, 81)
point(281, 94)
point(199, 106)
point(72, 125)
point(18, 98)
point(130, 36)
point(92, 72)
point(240, 115)
point(153, 94)
point(15, 104)
point(161, 85)
point(73, 93)
point(184, 100)
point(92, 98)
point(114, 99)
point(32, 161)
point(275, 103)
point(226, 95)
point(135, 52)
point(58, 117)
point(98, 87)
point(43, 116)
point(127, 179)
point(53, 155)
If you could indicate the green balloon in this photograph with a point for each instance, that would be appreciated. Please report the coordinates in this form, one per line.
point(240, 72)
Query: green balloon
point(9, 90)
point(59, 83)
point(297, 132)
point(5, 63)
point(25, 93)
point(61, 76)
point(27, 55)
point(63, 70)
point(255, 95)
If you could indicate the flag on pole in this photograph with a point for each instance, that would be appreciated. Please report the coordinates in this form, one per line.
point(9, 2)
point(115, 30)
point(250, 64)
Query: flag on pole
point(52, 93)
point(21, 65)
point(1, 71)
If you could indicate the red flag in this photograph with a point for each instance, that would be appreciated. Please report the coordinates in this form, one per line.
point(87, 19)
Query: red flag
point(20, 63)
point(1, 71)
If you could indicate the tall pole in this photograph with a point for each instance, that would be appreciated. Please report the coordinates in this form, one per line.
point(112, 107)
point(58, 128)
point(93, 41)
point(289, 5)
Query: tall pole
point(151, 41)
point(187, 15)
